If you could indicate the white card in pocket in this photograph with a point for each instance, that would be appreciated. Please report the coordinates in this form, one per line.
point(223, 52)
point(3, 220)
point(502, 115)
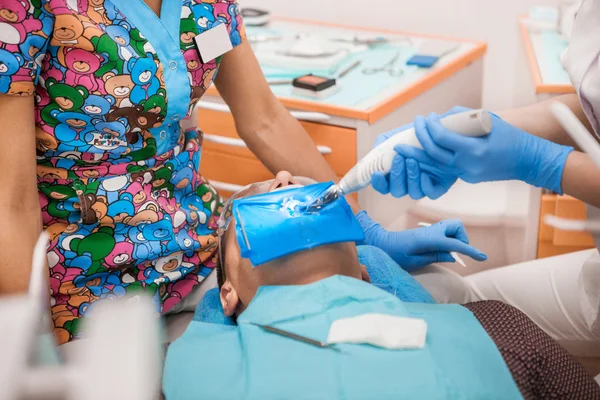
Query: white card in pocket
point(213, 43)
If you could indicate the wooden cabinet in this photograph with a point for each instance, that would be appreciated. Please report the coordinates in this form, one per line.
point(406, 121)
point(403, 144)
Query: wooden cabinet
point(552, 242)
point(228, 163)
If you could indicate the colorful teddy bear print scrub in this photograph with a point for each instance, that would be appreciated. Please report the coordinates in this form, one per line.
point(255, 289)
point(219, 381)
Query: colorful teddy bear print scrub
point(118, 177)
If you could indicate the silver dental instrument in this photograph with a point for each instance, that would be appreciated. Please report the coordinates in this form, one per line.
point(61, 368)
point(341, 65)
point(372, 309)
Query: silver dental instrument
point(255, 16)
point(454, 254)
point(387, 67)
point(264, 38)
point(315, 206)
point(358, 41)
point(326, 54)
point(241, 222)
point(296, 337)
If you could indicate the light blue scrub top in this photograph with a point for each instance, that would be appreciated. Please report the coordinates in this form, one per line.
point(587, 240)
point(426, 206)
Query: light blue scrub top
point(213, 361)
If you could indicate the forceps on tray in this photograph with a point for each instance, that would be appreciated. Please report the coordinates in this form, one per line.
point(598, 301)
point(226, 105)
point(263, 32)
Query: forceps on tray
point(387, 67)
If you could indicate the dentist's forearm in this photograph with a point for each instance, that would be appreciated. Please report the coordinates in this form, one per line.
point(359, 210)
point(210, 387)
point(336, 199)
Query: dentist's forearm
point(538, 119)
point(266, 126)
point(20, 216)
point(581, 179)
point(283, 144)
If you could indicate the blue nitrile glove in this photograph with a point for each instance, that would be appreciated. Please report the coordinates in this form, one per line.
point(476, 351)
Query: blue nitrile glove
point(417, 248)
point(507, 153)
point(408, 176)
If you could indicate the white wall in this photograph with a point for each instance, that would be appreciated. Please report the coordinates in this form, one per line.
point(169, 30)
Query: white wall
point(492, 21)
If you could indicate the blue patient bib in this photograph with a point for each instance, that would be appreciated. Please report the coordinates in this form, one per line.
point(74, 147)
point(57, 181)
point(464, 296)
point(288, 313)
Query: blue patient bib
point(213, 361)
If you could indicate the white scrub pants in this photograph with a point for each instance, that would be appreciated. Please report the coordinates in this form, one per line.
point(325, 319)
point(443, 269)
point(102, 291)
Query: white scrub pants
point(560, 294)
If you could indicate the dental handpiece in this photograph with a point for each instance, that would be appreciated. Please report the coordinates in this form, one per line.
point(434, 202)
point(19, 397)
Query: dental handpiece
point(472, 123)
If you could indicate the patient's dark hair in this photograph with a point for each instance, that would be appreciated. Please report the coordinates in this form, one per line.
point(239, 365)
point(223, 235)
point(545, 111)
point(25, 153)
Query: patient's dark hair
point(221, 261)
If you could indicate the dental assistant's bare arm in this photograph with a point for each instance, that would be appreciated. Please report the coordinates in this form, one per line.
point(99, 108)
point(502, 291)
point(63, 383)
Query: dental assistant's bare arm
point(538, 119)
point(277, 138)
point(20, 215)
point(581, 178)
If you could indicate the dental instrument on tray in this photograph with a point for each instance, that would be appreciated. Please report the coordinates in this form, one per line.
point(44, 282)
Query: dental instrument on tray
point(454, 254)
point(342, 74)
point(255, 16)
point(264, 38)
point(296, 337)
point(280, 81)
point(387, 67)
point(370, 40)
point(300, 54)
point(351, 68)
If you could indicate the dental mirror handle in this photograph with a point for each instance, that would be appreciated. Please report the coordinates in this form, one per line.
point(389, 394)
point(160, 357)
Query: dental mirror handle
point(472, 123)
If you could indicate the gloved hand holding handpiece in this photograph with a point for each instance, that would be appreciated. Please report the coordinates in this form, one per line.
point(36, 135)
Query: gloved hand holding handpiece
point(507, 153)
point(408, 175)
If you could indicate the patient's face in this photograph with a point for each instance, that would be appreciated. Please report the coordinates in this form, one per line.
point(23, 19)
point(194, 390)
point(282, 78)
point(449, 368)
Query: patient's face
point(242, 280)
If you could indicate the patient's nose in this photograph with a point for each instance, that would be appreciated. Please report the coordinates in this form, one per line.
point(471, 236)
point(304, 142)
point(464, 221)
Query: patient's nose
point(282, 179)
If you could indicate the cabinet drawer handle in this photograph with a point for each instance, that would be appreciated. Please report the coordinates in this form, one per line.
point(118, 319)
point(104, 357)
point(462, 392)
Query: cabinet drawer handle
point(299, 115)
point(228, 187)
point(233, 142)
